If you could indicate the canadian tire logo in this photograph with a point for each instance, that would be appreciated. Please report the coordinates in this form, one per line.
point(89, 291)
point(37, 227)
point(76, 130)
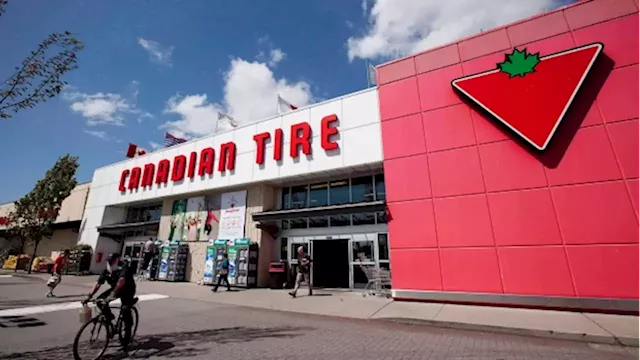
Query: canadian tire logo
point(531, 94)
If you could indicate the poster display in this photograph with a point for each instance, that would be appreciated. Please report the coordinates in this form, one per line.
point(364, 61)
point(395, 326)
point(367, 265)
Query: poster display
point(178, 212)
point(194, 219)
point(232, 215)
point(212, 214)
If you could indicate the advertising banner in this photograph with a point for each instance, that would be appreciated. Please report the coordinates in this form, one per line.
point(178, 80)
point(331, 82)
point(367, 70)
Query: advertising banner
point(212, 214)
point(178, 212)
point(195, 218)
point(232, 215)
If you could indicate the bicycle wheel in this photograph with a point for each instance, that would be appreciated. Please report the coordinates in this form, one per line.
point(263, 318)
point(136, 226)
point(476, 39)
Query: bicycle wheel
point(134, 325)
point(95, 328)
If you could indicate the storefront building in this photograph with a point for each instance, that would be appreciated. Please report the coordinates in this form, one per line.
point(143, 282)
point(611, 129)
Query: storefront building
point(473, 182)
point(310, 178)
point(479, 213)
point(66, 226)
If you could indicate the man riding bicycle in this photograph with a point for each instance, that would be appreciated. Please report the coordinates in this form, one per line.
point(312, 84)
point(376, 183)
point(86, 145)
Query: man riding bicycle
point(120, 277)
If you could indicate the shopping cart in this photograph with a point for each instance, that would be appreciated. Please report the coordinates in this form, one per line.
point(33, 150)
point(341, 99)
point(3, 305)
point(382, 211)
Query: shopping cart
point(378, 281)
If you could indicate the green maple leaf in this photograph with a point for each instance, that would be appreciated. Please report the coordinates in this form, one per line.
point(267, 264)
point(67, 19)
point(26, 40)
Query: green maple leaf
point(519, 63)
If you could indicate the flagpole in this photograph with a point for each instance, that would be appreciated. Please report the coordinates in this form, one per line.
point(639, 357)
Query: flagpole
point(368, 75)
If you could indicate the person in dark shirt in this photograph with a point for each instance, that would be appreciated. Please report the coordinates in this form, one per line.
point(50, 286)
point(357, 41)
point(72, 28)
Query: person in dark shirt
point(223, 273)
point(304, 270)
point(121, 280)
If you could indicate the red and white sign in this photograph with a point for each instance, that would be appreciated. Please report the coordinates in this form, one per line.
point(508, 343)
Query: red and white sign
point(531, 95)
point(202, 163)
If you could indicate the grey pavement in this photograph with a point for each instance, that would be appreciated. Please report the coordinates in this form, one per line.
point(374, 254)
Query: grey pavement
point(207, 328)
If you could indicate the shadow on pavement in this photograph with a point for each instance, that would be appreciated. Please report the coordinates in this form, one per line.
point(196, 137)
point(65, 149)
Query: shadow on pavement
point(171, 345)
point(18, 321)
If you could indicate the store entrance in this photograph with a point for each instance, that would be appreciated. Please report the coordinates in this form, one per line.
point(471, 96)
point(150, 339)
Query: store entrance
point(330, 263)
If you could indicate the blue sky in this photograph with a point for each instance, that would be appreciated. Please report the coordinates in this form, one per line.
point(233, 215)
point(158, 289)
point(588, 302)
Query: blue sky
point(149, 66)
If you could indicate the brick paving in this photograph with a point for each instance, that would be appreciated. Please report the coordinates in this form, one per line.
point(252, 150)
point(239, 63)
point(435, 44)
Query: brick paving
point(190, 329)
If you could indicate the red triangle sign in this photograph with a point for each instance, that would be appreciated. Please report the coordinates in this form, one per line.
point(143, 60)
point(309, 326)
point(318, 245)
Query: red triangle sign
point(531, 94)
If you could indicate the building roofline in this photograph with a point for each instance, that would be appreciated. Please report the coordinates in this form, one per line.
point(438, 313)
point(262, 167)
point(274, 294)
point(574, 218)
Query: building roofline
point(249, 124)
point(457, 41)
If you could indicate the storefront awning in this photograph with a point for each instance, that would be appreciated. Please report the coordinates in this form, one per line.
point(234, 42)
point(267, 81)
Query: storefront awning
point(344, 209)
point(118, 230)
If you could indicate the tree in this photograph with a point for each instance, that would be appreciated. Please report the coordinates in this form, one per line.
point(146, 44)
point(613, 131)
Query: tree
point(36, 212)
point(39, 77)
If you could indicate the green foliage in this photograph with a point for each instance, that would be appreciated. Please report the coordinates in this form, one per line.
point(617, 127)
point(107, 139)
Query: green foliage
point(519, 63)
point(36, 212)
point(39, 77)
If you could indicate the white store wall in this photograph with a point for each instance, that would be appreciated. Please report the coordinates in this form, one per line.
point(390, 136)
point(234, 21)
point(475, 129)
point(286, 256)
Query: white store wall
point(359, 140)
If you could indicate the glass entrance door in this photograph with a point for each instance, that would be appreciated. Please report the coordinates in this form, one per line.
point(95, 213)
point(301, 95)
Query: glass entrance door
point(362, 252)
point(292, 257)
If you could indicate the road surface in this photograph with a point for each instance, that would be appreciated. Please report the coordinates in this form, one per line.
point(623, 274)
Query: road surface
point(34, 327)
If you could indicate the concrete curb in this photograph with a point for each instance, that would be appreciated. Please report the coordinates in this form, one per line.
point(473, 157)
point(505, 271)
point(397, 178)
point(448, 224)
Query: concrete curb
point(547, 334)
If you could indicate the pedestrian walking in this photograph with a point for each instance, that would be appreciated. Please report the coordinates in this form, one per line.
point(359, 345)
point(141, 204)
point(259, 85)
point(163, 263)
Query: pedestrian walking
point(149, 252)
point(223, 273)
point(304, 271)
point(56, 276)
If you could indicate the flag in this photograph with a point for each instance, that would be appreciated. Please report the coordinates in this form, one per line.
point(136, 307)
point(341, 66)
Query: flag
point(231, 120)
point(134, 151)
point(170, 140)
point(371, 70)
point(284, 106)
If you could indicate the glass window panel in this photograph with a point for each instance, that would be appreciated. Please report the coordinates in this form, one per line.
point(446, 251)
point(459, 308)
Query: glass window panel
point(385, 265)
point(340, 220)
point(285, 224)
point(381, 217)
point(383, 247)
point(146, 214)
point(381, 194)
point(286, 199)
point(362, 189)
point(156, 213)
point(362, 251)
point(339, 192)
point(364, 219)
point(299, 197)
point(318, 222)
point(359, 278)
point(318, 194)
point(283, 248)
point(298, 223)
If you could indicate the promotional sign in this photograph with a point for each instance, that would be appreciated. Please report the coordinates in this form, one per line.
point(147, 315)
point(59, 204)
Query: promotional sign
point(178, 211)
point(209, 265)
point(232, 215)
point(531, 94)
point(212, 214)
point(195, 218)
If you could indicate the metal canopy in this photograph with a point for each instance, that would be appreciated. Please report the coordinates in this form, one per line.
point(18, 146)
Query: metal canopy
point(374, 206)
point(115, 231)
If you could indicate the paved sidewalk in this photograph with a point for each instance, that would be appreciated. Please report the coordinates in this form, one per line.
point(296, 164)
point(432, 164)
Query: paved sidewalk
point(596, 328)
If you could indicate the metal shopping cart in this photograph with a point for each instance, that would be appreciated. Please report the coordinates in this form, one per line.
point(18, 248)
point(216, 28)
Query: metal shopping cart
point(378, 281)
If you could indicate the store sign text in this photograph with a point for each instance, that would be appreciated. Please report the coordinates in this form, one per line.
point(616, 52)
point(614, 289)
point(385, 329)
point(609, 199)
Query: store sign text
point(203, 163)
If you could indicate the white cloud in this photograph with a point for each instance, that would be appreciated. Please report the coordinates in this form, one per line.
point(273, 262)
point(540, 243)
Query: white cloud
point(157, 52)
point(250, 94)
point(103, 108)
point(275, 56)
point(154, 145)
point(99, 134)
point(402, 27)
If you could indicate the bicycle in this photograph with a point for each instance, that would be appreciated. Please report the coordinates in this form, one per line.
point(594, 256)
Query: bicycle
point(100, 321)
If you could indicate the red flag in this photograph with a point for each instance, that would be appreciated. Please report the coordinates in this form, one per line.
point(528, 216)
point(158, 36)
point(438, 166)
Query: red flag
point(133, 150)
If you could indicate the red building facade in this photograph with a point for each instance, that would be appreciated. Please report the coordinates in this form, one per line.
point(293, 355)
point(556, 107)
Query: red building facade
point(479, 215)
